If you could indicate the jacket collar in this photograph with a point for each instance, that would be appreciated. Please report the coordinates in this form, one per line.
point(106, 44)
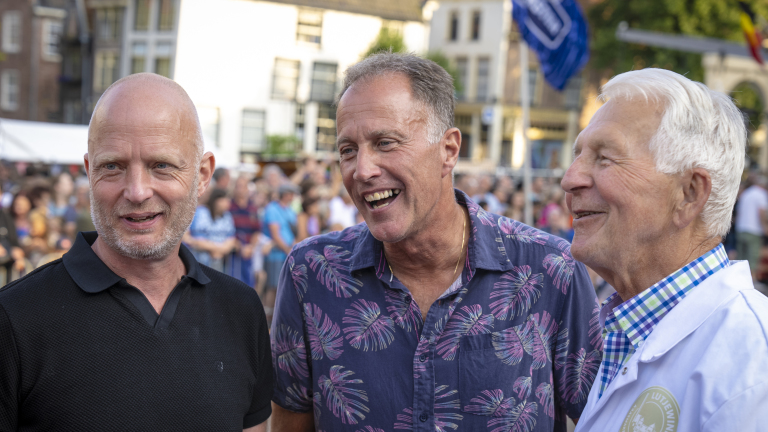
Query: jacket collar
point(485, 249)
point(692, 311)
point(91, 274)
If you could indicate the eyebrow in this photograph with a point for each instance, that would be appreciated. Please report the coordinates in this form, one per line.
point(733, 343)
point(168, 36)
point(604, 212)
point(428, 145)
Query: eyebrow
point(373, 134)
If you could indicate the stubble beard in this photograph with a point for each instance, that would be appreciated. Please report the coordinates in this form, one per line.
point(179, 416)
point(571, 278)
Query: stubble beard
point(179, 220)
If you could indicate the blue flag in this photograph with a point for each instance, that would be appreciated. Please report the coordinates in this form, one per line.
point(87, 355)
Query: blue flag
point(557, 32)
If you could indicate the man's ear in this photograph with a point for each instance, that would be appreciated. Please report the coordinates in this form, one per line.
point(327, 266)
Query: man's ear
point(207, 165)
point(450, 146)
point(87, 165)
point(696, 187)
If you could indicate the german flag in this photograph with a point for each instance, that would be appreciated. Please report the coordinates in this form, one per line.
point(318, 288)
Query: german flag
point(750, 32)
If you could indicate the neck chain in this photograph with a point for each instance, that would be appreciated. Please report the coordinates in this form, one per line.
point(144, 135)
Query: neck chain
point(461, 251)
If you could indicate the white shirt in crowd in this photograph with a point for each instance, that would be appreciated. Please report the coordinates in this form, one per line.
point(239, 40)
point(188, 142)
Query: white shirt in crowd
point(341, 213)
point(751, 201)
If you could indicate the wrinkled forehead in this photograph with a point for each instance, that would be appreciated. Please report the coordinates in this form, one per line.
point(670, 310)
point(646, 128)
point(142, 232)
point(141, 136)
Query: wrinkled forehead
point(622, 121)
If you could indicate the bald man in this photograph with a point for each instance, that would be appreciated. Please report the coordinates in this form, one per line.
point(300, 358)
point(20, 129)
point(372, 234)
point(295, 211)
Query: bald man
point(127, 332)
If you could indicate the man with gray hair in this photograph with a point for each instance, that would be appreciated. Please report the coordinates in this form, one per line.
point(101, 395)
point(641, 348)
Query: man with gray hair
point(127, 332)
point(434, 314)
point(651, 189)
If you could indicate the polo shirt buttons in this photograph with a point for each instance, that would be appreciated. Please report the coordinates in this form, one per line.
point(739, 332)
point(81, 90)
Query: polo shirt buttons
point(424, 416)
point(423, 358)
point(624, 372)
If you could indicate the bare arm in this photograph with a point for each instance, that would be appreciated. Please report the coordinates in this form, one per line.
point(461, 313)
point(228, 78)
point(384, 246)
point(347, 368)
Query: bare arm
point(274, 230)
point(301, 224)
point(258, 428)
point(289, 421)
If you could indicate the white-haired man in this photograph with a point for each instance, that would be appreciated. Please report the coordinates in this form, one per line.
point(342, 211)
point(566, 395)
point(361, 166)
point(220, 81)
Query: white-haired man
point(652, 188)
point(127, 332)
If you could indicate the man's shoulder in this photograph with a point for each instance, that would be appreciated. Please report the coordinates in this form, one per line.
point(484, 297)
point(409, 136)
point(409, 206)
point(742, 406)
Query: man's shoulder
point(745, 315)
point(346, 239)
point(529, 239)
point(41, 285)
point(228, 286)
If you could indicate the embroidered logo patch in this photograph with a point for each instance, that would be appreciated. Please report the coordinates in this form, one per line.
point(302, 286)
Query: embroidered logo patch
point(655, 410)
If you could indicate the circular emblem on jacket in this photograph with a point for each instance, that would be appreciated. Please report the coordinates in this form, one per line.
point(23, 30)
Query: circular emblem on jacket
point(655, 410)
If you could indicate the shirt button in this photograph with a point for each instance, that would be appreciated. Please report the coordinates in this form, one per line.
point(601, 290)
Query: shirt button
point(423, 358)
point(624, 372)
point(424, 416)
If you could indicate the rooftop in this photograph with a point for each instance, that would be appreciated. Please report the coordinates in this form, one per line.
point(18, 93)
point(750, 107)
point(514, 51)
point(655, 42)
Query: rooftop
point(400, 10)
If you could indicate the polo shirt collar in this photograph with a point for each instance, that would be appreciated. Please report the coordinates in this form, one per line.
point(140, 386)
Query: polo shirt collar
point(369, 252)
point(91, 274)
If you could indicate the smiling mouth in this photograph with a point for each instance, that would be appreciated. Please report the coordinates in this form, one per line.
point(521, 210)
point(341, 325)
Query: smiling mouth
point(142, 219)
point(381, 199)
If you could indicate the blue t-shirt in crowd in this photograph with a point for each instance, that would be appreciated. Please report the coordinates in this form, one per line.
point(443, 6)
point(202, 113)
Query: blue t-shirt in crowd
point(285, 217)
point(217, 231)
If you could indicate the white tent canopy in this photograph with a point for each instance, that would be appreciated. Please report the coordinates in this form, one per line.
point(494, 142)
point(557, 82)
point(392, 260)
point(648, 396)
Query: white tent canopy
point(28, 141)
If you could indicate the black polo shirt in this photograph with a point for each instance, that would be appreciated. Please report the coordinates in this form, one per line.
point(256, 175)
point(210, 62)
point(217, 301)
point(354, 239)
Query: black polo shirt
point(82, 350)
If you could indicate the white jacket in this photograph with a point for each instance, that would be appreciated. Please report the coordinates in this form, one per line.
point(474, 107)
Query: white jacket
point(703, 368)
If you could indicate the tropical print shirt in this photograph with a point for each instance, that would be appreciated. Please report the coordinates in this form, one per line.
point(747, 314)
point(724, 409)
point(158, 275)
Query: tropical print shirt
point(513, 345)
point(629, 323)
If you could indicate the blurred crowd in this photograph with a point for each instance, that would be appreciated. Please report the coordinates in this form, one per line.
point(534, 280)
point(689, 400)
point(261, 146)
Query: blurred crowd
point(246, 223)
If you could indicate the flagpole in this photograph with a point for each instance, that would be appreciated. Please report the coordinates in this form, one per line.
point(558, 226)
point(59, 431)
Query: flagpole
point(525, 104)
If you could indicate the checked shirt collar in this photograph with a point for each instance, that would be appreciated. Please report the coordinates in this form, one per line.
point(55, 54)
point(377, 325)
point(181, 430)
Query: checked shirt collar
point(628, 324)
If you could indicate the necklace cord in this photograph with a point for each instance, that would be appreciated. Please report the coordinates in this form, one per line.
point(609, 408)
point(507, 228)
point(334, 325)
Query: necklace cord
point(461, 251)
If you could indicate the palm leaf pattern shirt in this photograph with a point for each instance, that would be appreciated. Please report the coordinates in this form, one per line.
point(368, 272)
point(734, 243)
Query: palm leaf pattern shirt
point(513, 345)
point(627, 324)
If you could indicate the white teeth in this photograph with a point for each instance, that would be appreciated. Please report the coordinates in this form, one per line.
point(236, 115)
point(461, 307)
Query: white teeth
point(380, 206)
point(381, 195)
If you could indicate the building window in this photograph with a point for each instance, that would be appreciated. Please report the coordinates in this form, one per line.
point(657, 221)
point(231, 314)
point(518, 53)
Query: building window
point(72, 66)
point(163, 59)
point(209, 124)
point(12, 32)
point(105, 70)
point(138, 57)
point(483, 71)
point(108, 24)
point(166, 12)
point(9, 90)
point(310, 27)
point(253, 138)
point(299, 121)
point(572, 93)
point(326, 127)
point(475, 32)
point(323, 82)
point(141, 20)
point(285, 79)
point(52, 31)
point(462, 67)
point(453, 26)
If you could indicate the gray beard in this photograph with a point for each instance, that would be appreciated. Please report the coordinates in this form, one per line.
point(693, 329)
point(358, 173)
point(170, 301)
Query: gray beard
point(179, 219)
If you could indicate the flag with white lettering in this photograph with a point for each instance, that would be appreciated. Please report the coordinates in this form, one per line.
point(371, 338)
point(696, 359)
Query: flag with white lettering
point(557, 31)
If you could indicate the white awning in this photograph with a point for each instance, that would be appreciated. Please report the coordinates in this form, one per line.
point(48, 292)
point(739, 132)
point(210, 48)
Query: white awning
point(28, 141)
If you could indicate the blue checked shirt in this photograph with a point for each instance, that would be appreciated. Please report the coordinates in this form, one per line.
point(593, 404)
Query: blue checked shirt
point(628, 324)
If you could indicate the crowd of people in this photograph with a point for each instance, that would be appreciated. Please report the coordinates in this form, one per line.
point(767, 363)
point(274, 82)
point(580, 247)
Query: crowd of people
point(246, 224)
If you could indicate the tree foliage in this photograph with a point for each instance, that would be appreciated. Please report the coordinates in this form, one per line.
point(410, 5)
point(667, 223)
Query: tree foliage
point(387, 40)
point(392, 41)
point(709, 18)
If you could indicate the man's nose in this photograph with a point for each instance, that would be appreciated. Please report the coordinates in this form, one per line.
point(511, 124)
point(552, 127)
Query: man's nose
point(576, 177)
point(367, 166)
point(139, 186)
